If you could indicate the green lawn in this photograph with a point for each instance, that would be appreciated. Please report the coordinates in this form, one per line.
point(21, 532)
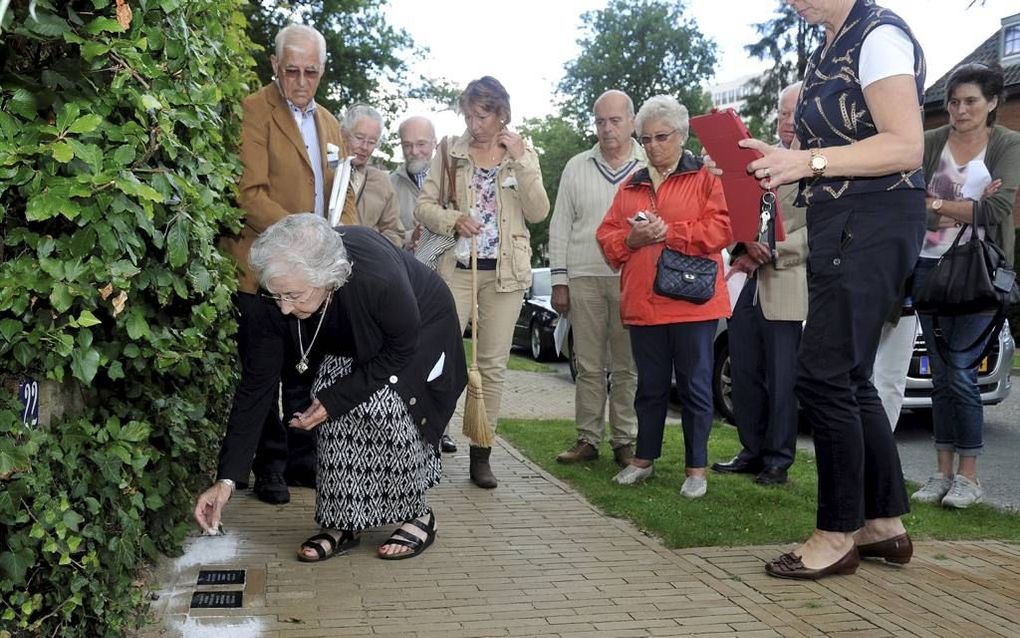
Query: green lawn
point(735, 511)
point(525, 364)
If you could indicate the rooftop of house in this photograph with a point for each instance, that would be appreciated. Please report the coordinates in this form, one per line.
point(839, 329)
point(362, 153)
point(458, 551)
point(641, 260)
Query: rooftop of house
point(991, 50)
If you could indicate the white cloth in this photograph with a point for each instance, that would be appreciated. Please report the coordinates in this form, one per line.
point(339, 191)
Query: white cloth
point(305, 121)
point(892, 362)
point(948, 183)
point(887, 51)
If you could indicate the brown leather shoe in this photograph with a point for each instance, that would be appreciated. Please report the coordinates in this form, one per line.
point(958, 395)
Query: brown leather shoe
point(581, 452)
point(790, 566)
point(623, 455)
point(897, 549)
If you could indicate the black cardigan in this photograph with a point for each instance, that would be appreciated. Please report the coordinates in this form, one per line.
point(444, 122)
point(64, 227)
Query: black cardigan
point(395, 317)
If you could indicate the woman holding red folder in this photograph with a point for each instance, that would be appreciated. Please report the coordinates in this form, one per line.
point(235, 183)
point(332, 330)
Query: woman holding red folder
point(859, 164)
point(673, 203)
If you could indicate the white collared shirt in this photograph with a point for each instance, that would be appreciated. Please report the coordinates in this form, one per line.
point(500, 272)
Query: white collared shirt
point(305, 121)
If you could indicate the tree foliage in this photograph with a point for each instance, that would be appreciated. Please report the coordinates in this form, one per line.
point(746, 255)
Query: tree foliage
point(117, 170)
point(641, 47)
point(557, 140)
point(786, 41)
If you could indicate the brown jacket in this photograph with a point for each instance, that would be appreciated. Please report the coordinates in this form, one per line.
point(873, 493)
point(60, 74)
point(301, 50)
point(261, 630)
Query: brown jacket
point(377, 206)
point(277, 179)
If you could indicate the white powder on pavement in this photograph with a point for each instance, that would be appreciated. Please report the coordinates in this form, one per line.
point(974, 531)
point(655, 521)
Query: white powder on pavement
point(219, 627)
point(207, 550)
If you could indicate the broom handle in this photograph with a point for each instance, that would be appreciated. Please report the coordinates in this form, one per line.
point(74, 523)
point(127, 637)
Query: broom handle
point(474, 301)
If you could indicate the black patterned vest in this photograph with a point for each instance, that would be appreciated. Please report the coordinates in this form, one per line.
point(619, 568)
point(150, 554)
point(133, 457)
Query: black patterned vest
point(832, 111)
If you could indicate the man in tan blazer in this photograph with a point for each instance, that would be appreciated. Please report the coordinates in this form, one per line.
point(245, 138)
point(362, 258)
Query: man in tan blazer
point(284, 139)
point(376, 200)
point(764, 335)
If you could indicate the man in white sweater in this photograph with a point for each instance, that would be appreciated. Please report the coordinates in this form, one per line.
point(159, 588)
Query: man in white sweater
point(587, 288)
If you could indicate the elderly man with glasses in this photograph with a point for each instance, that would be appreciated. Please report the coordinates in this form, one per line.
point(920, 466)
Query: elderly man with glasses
point(376, 201)
point(284, 140)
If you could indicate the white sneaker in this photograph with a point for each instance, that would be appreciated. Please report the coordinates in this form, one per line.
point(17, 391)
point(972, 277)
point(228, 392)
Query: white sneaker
point(633, 474)
point(963, 493)
point(934, 490)
point(694, 487)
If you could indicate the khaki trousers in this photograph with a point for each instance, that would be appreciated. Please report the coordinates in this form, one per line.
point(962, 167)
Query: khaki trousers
point(497, 315)
point(602, 344)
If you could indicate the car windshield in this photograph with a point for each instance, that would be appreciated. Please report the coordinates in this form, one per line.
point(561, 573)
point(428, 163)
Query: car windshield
point(541, 283)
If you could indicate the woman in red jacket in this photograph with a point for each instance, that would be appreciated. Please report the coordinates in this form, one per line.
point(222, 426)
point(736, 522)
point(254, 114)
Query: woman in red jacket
point(674, 203)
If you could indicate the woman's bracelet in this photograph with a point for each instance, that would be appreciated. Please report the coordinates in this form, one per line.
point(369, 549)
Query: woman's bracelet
point(229, 483)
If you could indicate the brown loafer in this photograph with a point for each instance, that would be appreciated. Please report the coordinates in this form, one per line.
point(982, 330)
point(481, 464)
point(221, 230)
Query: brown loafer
point(790, 566)
point(897, 549)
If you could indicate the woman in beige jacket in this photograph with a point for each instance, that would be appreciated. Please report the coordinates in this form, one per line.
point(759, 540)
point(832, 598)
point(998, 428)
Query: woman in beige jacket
point(498, 189)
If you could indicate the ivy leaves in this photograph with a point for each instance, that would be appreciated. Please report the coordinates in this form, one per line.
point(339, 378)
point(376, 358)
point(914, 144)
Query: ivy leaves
point(118, 134)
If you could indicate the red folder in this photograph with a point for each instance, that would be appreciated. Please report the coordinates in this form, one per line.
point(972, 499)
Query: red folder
point(719, 132)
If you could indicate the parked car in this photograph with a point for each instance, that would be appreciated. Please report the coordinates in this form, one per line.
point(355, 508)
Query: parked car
point(993, 373)
point(537, 319)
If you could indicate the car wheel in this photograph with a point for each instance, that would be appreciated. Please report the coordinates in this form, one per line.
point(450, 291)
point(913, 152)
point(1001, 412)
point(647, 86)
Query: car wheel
point(722, 383)
point(538, 351)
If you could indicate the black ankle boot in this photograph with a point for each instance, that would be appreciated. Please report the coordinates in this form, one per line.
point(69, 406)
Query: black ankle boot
point(481, 471)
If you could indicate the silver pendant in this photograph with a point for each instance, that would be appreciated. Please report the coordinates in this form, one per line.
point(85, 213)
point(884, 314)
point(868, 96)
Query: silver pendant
point(302, 366)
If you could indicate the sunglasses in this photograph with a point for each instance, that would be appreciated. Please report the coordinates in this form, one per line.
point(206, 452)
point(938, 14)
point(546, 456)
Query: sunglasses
point(659, 138)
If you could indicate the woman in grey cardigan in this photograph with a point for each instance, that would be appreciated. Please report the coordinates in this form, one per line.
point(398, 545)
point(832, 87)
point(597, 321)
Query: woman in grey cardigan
point(973, 95)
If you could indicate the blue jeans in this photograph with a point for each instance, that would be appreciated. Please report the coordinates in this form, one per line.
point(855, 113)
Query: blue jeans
point(957, 411)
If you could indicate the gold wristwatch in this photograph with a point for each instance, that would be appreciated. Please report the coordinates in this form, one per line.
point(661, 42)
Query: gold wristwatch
point(818, 163)
point(936, 205)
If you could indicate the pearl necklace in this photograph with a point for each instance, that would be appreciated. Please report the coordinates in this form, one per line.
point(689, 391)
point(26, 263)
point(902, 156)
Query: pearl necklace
point(302, 365)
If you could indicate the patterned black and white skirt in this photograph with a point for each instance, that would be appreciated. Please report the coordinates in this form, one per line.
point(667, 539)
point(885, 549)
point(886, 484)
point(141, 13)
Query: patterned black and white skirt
point(374, 467)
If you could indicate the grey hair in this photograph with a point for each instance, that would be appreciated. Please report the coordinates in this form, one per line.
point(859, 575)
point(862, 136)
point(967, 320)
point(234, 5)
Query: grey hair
point(790, 87)
point(630, 102)
point(357, 112)
point(293, 32)
point(301, 245)
point(413, 118)
point(663, 107)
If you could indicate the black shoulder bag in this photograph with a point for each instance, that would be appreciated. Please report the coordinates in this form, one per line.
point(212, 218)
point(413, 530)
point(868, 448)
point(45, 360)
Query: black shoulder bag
point(972, 277)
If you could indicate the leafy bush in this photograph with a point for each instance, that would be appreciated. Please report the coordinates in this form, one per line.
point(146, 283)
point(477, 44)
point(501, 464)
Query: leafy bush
point(117, 172)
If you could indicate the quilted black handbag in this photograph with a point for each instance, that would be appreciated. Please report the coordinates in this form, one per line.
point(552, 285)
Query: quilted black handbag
point(680, 276)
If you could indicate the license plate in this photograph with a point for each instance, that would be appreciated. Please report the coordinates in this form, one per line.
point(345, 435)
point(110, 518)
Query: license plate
point(924, 367)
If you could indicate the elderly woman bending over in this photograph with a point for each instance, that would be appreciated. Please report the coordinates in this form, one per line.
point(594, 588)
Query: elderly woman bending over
point(498, 189)
point(381, 330)
point(673, 204)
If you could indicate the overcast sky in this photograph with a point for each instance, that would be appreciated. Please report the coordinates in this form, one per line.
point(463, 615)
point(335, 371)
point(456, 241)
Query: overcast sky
point(525, 44)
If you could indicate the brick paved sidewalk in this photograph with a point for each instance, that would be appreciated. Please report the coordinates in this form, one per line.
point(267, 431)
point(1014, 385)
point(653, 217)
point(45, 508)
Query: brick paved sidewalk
point(532, 558)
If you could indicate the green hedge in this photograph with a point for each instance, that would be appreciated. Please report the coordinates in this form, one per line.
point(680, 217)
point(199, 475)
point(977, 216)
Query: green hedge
point(117, 171)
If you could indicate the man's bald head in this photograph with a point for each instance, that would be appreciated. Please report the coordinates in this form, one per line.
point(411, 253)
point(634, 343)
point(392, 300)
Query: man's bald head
point(418, 142)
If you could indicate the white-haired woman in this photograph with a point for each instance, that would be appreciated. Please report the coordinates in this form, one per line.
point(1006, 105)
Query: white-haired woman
point(376, 204)
point(381, 330)
point(673, 204)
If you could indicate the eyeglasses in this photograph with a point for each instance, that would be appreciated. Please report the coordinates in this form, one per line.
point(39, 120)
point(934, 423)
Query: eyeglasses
point(369, 141)
point(293, 72)
point(292, 298)
point(659, 138)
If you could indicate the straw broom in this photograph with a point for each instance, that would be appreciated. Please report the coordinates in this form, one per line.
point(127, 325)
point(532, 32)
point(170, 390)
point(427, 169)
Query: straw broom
point(476, 422)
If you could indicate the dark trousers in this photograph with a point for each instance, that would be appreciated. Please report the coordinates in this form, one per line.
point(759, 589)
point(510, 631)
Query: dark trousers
point(862, 248)
point(763, 364)
point(281, 449)
point(684, 349)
